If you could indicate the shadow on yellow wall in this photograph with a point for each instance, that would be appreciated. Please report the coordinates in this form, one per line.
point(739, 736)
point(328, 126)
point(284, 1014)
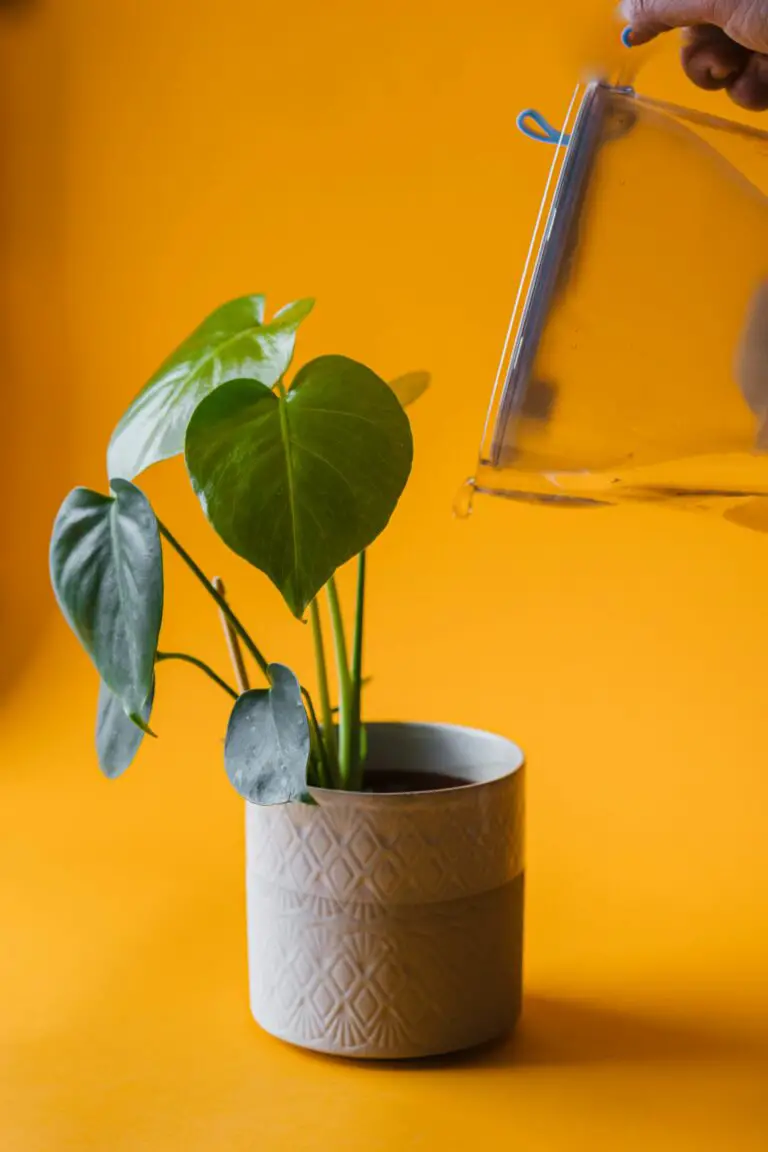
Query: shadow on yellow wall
point(35, 363)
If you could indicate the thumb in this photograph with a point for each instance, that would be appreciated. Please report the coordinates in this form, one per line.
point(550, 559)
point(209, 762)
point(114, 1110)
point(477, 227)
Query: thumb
point(649, 18)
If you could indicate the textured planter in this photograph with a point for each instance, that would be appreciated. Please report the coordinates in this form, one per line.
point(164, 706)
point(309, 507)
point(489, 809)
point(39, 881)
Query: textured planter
point(390, 925)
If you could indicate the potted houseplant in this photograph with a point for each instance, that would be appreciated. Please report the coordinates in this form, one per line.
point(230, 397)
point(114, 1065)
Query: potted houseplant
point(384, 861)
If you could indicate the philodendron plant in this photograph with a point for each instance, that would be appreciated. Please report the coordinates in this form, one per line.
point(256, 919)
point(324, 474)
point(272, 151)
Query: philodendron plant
point(297, 479)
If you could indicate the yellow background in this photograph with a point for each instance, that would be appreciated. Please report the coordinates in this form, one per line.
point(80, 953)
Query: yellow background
point(158, 157)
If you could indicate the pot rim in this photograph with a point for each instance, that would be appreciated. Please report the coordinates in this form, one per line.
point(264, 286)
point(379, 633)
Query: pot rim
point(514, 759)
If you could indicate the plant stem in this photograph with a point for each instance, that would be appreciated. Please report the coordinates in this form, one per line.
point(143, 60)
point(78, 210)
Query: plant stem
point(329, 728)
point(224, 607)
point(316, 740)
point(160, 656)
point(233, 644)
point(357, 673)
point(345, 685)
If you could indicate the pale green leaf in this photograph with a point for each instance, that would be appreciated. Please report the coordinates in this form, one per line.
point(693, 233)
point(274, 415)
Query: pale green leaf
point(232, 343)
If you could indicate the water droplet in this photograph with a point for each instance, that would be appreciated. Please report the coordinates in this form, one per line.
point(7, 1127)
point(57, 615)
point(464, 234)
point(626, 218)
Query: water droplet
point(465, 498)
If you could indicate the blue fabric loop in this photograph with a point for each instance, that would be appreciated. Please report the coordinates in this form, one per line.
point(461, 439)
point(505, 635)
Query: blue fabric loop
point(626, 37)
point(533, 125)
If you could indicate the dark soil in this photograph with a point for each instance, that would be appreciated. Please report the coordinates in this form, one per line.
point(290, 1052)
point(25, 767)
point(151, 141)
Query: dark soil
point(398, 781)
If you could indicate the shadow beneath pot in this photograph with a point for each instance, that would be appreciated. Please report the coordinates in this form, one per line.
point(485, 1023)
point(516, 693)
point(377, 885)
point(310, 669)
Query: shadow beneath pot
point(556, 1033)
point(562, 1032)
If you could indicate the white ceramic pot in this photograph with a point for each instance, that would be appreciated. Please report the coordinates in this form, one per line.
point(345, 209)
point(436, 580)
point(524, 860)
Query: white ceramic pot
point(390, 925)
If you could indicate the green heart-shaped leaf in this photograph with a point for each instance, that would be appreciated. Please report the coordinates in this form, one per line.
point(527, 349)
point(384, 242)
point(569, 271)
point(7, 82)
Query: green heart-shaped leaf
point(267, 745)
point(232, 343)
point(107, 573)
point(298, 483)
point(117, 736)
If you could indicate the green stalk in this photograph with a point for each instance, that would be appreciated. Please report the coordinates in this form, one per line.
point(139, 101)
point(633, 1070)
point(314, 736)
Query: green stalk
point(316, 741)
point(222, 603)
point(345, 685)
point(357, 675)
point(328, 736)
point(160, 656)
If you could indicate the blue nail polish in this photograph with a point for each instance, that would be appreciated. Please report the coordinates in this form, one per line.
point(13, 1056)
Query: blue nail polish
point(626, 36)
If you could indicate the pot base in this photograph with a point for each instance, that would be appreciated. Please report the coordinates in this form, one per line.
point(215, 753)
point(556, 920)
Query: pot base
point(397, 983)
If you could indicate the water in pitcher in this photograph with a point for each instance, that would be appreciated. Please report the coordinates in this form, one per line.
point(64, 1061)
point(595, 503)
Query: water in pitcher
point(636, 367)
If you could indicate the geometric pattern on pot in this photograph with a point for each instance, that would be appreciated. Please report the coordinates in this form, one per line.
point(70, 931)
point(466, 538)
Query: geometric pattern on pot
point(367, 981)
point(391, 925)
point(392, 849)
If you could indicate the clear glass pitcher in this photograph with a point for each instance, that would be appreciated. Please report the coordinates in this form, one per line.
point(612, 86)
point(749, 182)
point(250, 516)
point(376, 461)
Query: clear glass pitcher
point(636, 365)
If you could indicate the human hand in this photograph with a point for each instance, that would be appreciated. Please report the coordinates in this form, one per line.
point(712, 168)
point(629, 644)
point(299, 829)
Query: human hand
point(726, 42)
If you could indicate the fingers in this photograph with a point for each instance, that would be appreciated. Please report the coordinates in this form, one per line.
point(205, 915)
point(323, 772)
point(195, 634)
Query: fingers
point(650, 18)
point(750, 88)
point(745, 21)
point(712, 60)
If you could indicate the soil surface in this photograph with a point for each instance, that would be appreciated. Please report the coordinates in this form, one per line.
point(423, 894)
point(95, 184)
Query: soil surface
point(398, 781)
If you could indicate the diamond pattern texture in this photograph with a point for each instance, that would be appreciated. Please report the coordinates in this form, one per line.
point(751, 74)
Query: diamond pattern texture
point(401, 849)
point(388, 926)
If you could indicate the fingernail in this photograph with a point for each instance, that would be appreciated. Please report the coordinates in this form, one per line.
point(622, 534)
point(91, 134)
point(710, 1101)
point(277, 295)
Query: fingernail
point(626, 36)
point(721, 71)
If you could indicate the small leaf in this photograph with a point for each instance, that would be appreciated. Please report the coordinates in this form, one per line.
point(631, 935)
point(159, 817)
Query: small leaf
point(410, 387)
point(117, 736)
point(299, 483)
point(266, 751)
point(232, 343)
point(107, 572)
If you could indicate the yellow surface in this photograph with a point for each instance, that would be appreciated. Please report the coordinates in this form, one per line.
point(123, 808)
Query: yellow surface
point(158, 157)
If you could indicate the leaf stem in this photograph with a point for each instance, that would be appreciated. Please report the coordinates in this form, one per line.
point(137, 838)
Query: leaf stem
point(316, 739)
point(222, 603)
point(329, 728)
point(345, 685)
point(233, 644)
point(187, 659)
point(356, 770)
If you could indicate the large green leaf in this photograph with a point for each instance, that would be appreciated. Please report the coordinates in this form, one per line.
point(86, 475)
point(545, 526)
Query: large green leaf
point(117, 736)
point(298, 483)
point(107, 573)
point(232, 343)
point(267, 745)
